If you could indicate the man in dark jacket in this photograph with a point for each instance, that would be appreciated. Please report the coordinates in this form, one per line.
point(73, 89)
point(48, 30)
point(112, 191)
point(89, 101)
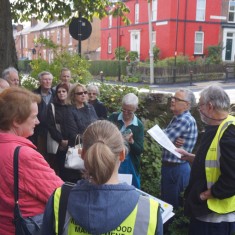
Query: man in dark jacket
point(47, 93)
point(210, 195)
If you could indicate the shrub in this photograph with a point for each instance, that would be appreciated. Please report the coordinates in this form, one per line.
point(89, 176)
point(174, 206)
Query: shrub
point(120, 53)
point(78, 66)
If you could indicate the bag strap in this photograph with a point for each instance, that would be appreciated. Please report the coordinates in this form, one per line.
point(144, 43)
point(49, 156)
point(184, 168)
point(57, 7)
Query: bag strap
point(65, 190)
point(16, 174)
point(53, 112)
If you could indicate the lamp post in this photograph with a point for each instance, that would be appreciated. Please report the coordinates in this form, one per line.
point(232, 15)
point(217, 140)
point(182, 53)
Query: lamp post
point(176, 40)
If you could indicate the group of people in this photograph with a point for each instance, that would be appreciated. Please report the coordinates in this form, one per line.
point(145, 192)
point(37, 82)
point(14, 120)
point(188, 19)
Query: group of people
point(99, 203)
point(207, 177)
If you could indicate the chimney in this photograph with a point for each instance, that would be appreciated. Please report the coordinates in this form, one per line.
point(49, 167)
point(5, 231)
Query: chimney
point(34, 21)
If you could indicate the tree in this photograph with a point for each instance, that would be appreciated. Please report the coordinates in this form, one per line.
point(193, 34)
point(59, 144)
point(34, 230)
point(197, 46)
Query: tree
point(23, 10)
point(7, 44)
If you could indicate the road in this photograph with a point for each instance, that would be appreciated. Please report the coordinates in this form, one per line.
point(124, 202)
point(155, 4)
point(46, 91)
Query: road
point(229, 87)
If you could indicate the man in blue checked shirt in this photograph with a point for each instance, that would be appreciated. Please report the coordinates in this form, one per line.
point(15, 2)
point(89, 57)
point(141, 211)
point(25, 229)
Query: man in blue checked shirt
point(182, 131)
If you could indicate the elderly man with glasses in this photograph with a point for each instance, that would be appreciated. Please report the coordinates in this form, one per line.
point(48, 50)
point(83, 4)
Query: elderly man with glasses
point(210, 195)
point(133, 132)
point(182, 131)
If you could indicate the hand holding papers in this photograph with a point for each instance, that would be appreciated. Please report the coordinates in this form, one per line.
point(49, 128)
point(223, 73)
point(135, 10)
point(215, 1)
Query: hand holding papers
point(157, 133)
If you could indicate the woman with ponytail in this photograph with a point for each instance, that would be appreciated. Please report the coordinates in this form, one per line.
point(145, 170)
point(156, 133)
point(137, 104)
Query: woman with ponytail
point(101, 204)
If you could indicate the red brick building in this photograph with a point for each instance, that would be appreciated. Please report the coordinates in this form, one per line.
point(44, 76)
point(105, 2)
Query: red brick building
point(58, 32)
point(179, 27)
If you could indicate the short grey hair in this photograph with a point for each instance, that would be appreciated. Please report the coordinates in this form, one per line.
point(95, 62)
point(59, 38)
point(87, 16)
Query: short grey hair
point(40, 75)
point(189, 97)
point(217, 97)
point(93, 87)
point(130, 99)
point(6, 72)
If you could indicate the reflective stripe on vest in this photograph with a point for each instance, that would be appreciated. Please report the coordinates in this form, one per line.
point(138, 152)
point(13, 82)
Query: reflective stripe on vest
point(142, 220)
point(212, 167)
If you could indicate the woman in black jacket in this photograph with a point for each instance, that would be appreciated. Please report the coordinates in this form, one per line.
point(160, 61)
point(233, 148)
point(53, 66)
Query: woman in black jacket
point(66, 134)
point(84, 113)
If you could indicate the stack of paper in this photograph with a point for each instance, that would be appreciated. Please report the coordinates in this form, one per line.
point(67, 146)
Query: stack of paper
point(166, 208)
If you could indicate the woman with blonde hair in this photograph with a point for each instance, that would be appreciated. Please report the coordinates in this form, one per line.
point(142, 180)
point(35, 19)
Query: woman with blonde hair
point(84, 114)
point(101, 204)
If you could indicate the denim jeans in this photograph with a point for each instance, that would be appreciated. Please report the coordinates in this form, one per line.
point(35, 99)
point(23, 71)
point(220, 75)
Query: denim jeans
point(174, 179)
point(197, 227)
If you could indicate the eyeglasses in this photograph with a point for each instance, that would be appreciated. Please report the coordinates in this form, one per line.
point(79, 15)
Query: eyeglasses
point(127, 111)
point(199, 105)
point(176, 99)
point(81, 93)
point(90, 93)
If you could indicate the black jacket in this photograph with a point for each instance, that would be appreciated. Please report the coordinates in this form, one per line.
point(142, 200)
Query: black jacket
point(100, 109)
point(63, 117)
point(84, 117)
point(225, 185)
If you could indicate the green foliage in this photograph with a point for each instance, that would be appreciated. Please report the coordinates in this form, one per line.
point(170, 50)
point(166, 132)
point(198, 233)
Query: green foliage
point(180, 223)
point(48, 43)
point(120, 53)
point(133, 55)
point(214, 54)
point(23, 10)
point(29, 82)
point(156, 52)
point(170, 61)
point(109, 67)
point(151, 162)
point(78, 66)
point(112, 95)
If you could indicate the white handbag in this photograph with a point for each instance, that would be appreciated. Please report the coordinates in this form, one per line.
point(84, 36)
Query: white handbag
point(73, 159)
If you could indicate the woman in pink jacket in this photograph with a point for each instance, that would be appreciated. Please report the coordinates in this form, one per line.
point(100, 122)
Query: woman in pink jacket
point(18, 118)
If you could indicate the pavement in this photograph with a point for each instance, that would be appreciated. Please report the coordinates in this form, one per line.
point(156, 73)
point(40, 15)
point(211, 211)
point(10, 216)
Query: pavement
point(196, 87)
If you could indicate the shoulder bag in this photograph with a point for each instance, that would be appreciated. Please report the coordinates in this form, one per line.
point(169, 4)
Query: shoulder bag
point(73, 159)
point(29, 225)
point(52, 145)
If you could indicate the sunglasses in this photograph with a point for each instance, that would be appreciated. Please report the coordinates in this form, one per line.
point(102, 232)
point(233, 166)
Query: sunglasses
point(90, 93)
point(81, 93)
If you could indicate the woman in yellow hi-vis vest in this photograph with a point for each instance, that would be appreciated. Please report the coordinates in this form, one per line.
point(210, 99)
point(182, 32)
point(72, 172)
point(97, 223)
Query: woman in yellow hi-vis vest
point(101, 204)
point(210, 195)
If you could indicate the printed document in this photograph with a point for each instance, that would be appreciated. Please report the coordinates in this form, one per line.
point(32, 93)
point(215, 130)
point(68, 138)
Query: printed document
point(158, 134)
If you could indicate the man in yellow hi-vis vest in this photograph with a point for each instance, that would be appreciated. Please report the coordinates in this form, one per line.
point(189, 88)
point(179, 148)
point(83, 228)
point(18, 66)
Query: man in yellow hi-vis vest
point(101, 204)
point(210, 196)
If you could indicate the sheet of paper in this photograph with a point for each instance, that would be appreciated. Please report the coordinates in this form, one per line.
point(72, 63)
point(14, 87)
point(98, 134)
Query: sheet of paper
point(157, 133)
point(166, 209)
point(127, 178)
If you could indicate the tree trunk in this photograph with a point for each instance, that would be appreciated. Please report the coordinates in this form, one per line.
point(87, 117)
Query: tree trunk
point(8, 55)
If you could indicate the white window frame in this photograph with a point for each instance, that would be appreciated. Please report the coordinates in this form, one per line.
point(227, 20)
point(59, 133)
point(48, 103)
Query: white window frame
point(198, 43)
point(201, 10)
point(110, 21)
point(231, 11)
point(109, 45)
point(137, 13)
point(154, 9)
